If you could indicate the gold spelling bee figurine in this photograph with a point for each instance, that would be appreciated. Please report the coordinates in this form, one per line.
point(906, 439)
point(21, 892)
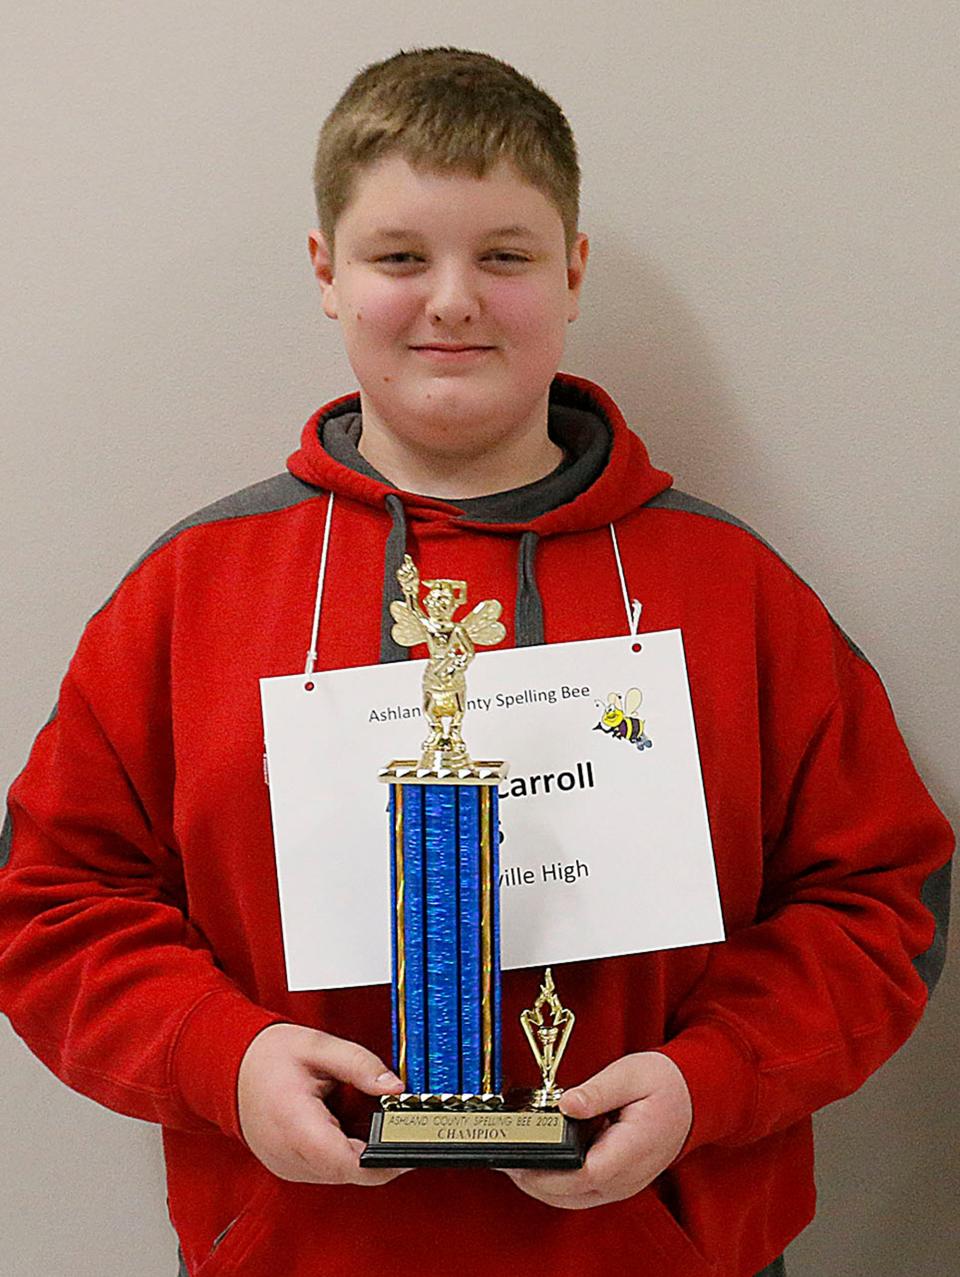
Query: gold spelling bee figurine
point(452, 646)
point(445, 995)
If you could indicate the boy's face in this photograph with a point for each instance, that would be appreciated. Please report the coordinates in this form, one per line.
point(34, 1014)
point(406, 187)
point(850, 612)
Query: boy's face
point(453, 294)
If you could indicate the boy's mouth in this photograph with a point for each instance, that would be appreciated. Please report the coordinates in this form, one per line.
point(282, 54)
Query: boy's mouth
point(454, 347)
point(448, 353)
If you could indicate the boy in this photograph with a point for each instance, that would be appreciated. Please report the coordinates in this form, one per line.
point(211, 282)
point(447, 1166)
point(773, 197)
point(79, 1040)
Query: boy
point(140, 947)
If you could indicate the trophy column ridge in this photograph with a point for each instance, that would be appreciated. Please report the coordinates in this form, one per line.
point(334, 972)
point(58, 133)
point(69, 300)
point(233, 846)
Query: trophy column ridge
point(446, 932)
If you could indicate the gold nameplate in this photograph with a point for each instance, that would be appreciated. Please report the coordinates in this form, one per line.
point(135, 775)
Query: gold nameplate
point(472, 1128)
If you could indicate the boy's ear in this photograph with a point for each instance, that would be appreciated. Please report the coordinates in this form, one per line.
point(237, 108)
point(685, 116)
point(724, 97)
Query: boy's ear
point(576, 269)
point(322, 260)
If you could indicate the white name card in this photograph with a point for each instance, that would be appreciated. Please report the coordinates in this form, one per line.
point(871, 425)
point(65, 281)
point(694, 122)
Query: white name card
point(605, 839)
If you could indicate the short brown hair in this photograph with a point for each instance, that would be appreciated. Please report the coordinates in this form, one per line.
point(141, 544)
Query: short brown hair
point(446, 110)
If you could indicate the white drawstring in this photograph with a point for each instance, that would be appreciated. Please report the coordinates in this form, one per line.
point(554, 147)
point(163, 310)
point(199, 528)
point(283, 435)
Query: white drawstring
point(312, 654)
point(633, 606)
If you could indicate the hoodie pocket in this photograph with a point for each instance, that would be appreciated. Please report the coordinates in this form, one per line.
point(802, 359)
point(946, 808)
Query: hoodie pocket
point(257, 1241)
point(679, 1255)
point(236, 1243)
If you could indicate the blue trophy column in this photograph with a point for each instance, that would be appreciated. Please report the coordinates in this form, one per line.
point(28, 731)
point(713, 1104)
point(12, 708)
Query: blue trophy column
point(446, 937)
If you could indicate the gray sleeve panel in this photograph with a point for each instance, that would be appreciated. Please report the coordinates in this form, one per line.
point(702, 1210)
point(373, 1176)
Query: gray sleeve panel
point(6, 838)
point(277, 493)
point(935, 897)
point(6, 834)
point(935, 893)
point(672, 499)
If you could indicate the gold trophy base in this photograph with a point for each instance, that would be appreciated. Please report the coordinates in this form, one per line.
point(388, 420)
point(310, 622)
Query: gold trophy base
point(473, 1131)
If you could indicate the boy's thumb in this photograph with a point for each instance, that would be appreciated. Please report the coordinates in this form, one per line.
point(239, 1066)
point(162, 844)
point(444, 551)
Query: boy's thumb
point(350, 1062)
point(618, 1084)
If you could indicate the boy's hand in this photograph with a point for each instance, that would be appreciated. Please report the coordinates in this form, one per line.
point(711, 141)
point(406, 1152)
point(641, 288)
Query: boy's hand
point(643, 1137)
point(284, 1077)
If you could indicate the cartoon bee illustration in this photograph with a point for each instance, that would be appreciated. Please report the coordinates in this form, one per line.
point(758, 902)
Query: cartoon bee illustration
point(619, 718)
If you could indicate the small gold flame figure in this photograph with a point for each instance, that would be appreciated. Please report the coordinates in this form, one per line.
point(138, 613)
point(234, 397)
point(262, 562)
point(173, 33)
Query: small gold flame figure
point(451, 646)
point(548, 1041)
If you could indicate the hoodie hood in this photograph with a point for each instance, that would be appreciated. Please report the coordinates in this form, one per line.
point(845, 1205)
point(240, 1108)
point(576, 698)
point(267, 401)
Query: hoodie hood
point(626, 481)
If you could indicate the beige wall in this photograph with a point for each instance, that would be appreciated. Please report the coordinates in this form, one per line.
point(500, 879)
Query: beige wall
point(771, 191)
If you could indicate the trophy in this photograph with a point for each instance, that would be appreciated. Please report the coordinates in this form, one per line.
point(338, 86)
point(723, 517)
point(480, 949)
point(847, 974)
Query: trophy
point(445, 921)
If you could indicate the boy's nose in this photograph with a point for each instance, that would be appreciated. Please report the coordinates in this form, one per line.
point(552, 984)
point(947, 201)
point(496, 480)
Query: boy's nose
point(453, 301)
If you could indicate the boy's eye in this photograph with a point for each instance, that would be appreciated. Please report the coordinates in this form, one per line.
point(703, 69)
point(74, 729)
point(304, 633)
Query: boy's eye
point(399, 259)
point(500, 257)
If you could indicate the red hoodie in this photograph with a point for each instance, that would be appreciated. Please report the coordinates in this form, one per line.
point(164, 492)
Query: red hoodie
point(140, 947)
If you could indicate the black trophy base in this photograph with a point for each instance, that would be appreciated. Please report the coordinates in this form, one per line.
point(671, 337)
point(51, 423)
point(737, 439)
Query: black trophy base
point(544, 1139)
